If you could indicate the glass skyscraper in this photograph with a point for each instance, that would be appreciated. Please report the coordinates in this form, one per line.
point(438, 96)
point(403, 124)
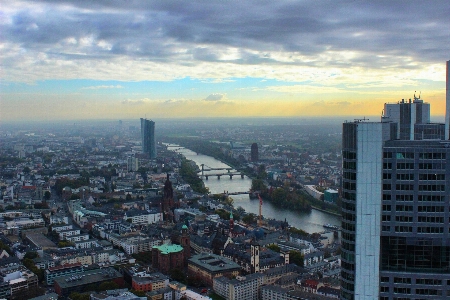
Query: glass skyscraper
point(148, 138)
point(395, 207)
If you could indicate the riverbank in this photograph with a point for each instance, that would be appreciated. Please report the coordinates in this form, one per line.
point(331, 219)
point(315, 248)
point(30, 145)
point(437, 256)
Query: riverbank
point(308, 221)
point(326, 211)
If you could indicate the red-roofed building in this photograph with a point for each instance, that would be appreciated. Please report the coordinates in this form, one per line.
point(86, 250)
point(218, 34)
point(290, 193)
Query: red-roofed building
point(309, 286)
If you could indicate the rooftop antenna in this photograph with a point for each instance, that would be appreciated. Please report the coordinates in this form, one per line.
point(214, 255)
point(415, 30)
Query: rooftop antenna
point(361, 120)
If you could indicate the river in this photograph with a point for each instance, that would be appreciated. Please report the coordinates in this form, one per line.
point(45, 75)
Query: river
point(309, 222)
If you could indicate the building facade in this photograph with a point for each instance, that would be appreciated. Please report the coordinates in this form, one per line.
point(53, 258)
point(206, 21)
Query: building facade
point(395, 209)
point(148, 138)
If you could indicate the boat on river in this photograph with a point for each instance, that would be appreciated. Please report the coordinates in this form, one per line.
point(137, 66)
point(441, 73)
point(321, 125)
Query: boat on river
point(329, 226)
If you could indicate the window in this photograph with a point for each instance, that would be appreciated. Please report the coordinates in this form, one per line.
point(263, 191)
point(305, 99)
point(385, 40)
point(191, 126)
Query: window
point(385, 228)
point(403, 229)
point(404, 197)
point(430, 208)
point(402, 280)
point(405, 176)
point(387, 154)
point(405, 166)
point(431, 176)
point(431, 198)
point(402, 290)
point(428, 281)
point(404, 218)
point(430, 229)
point(431, 155)
point(386, 218)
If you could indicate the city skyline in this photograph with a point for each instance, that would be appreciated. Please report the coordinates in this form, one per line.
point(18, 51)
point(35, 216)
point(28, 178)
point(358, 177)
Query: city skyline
point(122, 59)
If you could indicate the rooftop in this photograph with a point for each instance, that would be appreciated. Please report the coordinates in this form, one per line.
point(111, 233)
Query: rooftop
point(168, 248)
point(213, 262)
point(87, 277)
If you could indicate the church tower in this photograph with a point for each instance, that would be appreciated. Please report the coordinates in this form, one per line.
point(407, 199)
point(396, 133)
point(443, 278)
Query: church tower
point(168, 203)
point(231, 224)
point(254, 257)
point(185, 242)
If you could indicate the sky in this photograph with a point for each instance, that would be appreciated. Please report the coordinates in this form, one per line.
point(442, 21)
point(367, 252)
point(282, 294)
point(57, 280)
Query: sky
point(126, 59)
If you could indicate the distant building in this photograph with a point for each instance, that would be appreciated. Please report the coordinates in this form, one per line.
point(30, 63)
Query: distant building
point(240, 288)
point(132, 164)
point(65, 285)
point(254, 152)
point(148, 138)
point(330, 196)
point(206, 266)
point(147, 282)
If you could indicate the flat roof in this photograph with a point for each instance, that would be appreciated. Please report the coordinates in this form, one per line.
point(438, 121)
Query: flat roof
point(41, 240)
point(213, 262)
point(87, 277)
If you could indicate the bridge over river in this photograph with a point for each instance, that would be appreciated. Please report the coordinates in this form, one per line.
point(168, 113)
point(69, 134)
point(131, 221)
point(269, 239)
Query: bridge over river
point(229, 172)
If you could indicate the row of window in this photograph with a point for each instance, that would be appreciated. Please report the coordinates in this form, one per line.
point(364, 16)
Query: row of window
point(407, 229)
point(403, 290)
point(408, 187)
point(404, 166)
point(408, 280)
point(410, 177)
point(410, 155)
point(421, 198)
point(409, 219)
point(420, 208)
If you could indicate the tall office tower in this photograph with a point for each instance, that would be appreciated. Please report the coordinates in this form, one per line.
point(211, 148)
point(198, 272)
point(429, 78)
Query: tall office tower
point(254, 152)
point(407, 114)
point(148, 138)
point(395, 213)
point(447, 102)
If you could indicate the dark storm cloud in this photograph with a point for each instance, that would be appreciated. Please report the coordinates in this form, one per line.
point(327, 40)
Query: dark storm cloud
point(194, 30)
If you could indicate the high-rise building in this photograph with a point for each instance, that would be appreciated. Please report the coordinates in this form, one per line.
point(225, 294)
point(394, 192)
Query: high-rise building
point(132, 164)
point(447, 93)
point(148, 138)
point(395, 209)
point(254, 152)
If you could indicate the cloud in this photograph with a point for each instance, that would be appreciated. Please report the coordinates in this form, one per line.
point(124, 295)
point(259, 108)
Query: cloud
point(135, 102)
point(101, 87)
point(215, 97)
point(210, 40)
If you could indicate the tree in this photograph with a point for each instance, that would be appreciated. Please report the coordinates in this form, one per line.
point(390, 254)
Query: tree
point(296, 257)
point(258, 185)
point(74, 197)
point(47, 195)
point(63, 244)
point(78, 296)
point(177, 275)
point(138, 293)
point(31, 254)
point(274, 247)
point(128, 197)
point(249, 218)
point(262, 172)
